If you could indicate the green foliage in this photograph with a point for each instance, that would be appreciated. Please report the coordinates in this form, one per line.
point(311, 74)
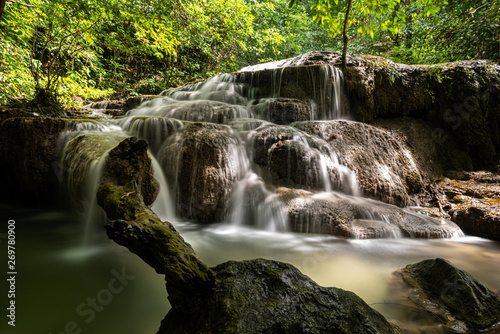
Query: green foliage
point(15, 76)
point(412, 32)
point(87, 49)
point(80, 50)
point(464, 30)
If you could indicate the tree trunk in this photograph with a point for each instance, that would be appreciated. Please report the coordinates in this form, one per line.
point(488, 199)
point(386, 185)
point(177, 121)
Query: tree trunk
point(345, 38)
point(2, 6)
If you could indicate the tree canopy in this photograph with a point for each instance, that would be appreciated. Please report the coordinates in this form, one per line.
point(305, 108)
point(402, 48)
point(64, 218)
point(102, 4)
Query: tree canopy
point(80, 50)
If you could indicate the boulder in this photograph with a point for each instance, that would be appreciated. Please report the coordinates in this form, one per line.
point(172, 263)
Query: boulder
point(286, 156)
point(202, 164)
point(481, 218)
point(382, 161)
point(126, 189)
point(263, 296)
point(472, 201)
point(359, 218)
point(127, 179)
point(460, 100)
point(451, 295)
point(284, 111)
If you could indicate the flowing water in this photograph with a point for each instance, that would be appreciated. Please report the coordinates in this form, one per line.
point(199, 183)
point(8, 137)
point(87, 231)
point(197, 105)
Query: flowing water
point(59, 277)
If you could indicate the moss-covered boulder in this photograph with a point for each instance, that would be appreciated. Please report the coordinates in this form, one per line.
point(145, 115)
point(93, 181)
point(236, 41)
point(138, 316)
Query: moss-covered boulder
point(126, 189)
point(127, 180)
point(263, 296)
point(452, 295)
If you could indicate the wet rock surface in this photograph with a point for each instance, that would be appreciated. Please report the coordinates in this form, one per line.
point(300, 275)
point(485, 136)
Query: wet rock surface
point(263, 296)
point(125, 191)
point(460, 100)
point(284, 111)
point(472, 201)
point(116, 108)
point(384, 165)
point(451, 295)
point(354, 217)
point(127, 180)
point(202, 167)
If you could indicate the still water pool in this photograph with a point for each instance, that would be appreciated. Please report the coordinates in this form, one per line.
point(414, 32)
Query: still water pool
point(64, 286)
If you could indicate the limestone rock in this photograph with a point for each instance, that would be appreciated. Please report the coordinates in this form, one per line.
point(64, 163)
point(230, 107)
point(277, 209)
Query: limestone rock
point(473, 202)
point(286, 156)
point(202, 165)
point(354, 217)
point(383, 164)
point(127, 180)
point(234, 297)
point(284, 111)
point(125, 190)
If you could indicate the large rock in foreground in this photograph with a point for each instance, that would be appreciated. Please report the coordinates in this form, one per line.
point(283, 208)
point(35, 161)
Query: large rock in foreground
point(263, 296)
point(452, 295)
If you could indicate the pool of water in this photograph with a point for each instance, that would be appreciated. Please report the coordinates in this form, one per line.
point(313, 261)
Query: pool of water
point(63, 286)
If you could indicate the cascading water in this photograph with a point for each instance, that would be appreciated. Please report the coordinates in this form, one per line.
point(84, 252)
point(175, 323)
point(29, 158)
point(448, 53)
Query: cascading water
point(224, 164)
point(83, 151)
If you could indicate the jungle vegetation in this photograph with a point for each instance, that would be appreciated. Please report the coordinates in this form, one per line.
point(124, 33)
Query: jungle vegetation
point(74, 51)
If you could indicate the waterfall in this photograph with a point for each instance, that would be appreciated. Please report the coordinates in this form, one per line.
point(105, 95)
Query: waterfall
point(83, 151)
point(265, 148)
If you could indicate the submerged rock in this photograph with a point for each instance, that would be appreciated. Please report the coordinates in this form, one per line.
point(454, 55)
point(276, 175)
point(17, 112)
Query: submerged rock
point(452, 295)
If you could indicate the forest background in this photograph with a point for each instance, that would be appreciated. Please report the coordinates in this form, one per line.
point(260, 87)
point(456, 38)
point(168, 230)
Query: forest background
point(71, 52)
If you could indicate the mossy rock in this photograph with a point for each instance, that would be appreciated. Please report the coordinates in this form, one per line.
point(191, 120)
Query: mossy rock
point(460, 296)
point(264, 296)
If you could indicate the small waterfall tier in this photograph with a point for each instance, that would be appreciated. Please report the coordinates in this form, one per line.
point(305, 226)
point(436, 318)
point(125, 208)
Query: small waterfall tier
point(269, 147)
